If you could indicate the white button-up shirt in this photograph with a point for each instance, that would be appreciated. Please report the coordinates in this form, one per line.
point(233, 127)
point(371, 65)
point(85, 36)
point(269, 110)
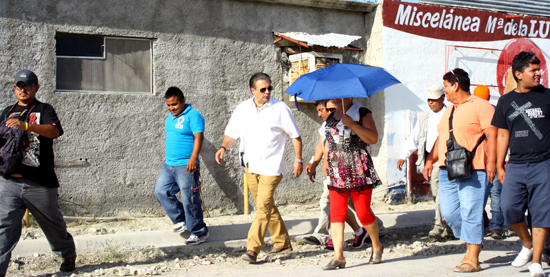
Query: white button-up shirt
point(411, 144)
point(262, 133)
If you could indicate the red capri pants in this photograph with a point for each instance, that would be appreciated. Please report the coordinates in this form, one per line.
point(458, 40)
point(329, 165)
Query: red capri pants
point(361, 201)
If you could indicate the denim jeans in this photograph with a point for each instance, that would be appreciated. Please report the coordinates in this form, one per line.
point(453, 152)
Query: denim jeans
point(497, 218)
point(462, 203)
point(173, 179)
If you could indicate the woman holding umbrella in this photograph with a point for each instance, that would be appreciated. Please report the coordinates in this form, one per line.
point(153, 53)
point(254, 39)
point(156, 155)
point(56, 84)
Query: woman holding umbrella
point(350, 172)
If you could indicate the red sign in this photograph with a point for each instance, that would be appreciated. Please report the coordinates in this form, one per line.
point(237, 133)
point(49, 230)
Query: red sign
point(458, 24)
point(513, 48)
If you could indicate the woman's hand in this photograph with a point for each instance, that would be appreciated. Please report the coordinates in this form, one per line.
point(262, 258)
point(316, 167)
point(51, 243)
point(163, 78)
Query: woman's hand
point(348, 121)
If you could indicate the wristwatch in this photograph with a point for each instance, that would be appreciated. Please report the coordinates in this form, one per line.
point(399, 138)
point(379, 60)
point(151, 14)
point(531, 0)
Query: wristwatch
point(299, 160)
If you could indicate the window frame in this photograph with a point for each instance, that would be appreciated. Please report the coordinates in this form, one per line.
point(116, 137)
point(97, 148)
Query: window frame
point(104, 58)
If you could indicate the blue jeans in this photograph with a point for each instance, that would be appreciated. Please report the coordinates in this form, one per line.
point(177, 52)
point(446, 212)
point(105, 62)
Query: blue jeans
point(173, 179)
point(497, 218)
point(462, 203)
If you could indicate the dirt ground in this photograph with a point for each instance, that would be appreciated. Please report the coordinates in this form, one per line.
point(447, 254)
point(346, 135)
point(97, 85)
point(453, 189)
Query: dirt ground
point(205, 260)
point(125, 223)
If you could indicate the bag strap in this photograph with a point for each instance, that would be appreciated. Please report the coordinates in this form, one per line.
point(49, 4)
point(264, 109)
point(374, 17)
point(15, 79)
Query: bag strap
point(451, 135)
point(11, 109)
point(24, 113)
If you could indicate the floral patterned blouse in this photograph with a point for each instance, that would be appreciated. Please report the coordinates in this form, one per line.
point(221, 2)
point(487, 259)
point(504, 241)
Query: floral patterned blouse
point(350, 166)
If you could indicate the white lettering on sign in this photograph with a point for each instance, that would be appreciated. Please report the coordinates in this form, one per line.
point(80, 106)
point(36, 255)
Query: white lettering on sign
point(406, 16)
point(461, 24)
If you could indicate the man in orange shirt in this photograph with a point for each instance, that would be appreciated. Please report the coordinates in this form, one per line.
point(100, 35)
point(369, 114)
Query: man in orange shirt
point(463, 199)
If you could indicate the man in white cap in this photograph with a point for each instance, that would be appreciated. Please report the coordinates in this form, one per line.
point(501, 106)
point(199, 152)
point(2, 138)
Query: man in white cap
point(423, 137)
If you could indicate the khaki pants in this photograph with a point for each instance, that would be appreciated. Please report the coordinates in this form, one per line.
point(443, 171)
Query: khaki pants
point(267, 215)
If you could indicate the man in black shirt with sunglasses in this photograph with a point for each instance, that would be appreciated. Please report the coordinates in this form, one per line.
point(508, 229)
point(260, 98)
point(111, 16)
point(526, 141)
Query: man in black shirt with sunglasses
point(33, 184)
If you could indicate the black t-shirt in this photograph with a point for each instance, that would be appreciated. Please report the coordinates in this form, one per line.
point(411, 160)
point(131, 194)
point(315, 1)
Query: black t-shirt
point(38, 159)
point(524, 116)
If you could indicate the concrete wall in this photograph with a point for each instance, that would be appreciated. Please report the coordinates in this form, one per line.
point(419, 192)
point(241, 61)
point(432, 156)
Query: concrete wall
point(113, 147)
point(374, 57)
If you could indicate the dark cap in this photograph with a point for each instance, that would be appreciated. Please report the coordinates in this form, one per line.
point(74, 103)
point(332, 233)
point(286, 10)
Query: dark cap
point(26, 76)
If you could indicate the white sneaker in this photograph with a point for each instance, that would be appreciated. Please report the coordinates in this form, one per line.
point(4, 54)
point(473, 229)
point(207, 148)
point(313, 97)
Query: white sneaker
point(194, 240)
point(180, 227)
point(536, 270)
point(523, 257)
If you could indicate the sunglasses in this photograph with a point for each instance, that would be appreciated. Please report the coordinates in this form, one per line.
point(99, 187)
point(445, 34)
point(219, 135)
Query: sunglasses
point(270, 88)
point(457, 80)
point(331, 110)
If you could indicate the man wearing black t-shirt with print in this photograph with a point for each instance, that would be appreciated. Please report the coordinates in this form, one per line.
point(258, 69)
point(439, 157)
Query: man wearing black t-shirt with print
point(523, 121)
point(33, 185)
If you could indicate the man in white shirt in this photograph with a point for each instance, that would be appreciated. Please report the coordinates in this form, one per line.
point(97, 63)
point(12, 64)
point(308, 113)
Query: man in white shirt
point(262, 124)
point(423, 137)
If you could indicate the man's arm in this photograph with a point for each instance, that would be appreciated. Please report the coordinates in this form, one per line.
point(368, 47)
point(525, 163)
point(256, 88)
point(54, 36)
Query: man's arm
point(226, 143)
point(410, 145)
point(45, 130)
point(298, 167)
point(430, 160)
point(311, 168)
point(503, 137)
point(490, 168)
point(197, 146)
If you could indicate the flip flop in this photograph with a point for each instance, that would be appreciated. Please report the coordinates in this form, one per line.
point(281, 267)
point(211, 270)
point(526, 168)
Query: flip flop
point(475, 268)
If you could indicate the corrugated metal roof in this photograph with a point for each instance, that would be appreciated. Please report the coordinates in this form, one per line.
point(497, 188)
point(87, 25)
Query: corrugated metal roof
point(325, 40)
point(524, 7)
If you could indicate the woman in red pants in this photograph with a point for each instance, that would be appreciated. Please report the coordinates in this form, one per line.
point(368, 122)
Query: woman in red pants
point(351, 173)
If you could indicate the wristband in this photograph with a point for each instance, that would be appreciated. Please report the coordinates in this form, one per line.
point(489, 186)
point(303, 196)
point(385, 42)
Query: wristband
point(225, 149)
point(26, 126)
point(299, 160)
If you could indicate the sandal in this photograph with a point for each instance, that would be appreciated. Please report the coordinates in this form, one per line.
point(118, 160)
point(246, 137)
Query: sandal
point(475, 267)
point(376, 258)
point(333, 264)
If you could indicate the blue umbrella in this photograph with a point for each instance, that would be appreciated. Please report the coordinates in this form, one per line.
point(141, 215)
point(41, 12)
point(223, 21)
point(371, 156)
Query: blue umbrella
point(341, 80)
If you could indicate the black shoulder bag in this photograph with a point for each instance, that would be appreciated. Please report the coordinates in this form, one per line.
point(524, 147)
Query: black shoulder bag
point(11, 146)
point(458, 159)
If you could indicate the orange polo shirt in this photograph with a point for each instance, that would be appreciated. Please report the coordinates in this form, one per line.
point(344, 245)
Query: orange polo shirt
point(470, 118)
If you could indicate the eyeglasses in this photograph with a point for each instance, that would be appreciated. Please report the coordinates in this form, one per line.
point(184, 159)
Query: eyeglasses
point(331, 110)
point(270, 88)
point(24, 88)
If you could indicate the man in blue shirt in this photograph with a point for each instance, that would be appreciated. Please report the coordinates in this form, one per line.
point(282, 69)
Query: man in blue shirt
point(184, 134)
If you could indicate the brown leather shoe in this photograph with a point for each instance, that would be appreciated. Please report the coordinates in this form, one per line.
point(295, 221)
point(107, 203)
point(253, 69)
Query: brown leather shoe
point(280, 250)
point(250, 256)
point(68, 264)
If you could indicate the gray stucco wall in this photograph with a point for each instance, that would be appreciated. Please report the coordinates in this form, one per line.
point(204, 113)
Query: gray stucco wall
point(113, 147)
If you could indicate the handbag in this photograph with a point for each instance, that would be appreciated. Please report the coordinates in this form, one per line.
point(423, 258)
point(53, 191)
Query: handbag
point(11, 146)
point(458, 160)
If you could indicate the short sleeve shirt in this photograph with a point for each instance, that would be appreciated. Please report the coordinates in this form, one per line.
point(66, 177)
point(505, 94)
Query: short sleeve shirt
point(38, 158)
point(470, 119)
point(524, 116)
point(262, 133)
point(180, 135)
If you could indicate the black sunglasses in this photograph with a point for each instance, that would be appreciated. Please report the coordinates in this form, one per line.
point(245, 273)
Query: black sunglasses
point(270, 88)
point(331, 110)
